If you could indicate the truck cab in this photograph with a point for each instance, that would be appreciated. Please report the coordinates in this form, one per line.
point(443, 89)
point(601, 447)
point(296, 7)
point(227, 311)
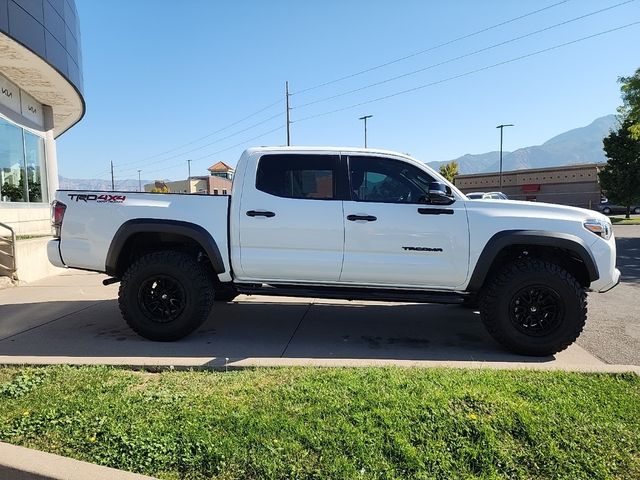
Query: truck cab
point(351, 218)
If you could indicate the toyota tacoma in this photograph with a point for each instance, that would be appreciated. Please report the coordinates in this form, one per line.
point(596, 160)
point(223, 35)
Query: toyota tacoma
point(345, 223)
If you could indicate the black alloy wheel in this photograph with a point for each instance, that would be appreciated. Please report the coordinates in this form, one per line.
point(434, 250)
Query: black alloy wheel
point(162, 298)
point(536, 310)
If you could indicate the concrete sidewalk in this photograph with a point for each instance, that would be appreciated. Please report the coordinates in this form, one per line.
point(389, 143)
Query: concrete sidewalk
point(73, 319)
point(19, 463)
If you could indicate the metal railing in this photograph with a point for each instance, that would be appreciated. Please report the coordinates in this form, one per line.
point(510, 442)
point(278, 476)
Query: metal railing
point(8, 261)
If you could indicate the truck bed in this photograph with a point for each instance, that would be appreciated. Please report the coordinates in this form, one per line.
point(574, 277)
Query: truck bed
point(92, 219)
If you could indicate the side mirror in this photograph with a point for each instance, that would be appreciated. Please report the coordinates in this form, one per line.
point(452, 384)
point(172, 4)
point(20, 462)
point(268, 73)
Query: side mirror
point(439, 194)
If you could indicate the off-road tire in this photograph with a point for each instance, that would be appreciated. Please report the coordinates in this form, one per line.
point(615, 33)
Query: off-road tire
point(190, 279)
point(497, 303)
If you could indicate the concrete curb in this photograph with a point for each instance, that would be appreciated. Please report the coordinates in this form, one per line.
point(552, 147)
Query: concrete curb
point(223, 364)
point(19, 463)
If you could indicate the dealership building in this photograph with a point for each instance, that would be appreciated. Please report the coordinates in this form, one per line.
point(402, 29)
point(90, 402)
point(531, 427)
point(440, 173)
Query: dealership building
point(41, 97)
point(574, 185)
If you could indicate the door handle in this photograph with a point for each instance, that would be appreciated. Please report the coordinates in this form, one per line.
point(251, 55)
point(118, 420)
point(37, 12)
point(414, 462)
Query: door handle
point(435, 211)
point(366, 218)
point(260, 213)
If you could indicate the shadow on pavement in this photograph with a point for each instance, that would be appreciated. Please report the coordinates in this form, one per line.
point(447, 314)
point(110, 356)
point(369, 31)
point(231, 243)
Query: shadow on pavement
point(252, 328)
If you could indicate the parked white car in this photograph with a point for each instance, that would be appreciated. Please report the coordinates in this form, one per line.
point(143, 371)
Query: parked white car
point(487, 196)
point(341, 223)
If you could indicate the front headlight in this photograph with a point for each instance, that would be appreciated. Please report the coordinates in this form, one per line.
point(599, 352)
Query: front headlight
point(599, 227)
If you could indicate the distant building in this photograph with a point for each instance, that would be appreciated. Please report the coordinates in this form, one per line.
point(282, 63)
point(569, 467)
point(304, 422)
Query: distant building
point(575, 185)
point(221, 170)
point(217, 183)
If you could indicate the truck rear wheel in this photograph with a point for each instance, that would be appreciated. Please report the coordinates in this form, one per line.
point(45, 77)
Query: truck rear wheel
point(166, 295)
point(534, 307)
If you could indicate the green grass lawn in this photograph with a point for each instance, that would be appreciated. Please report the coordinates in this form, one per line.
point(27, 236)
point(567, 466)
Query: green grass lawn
point(330, 423)
point(634, 220)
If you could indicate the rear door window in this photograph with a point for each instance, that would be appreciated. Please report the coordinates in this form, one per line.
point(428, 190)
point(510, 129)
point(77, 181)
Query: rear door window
point(312, 177)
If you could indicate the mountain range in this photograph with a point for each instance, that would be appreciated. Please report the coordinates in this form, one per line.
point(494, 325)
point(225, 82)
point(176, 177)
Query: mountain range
point(580, 145)
point(98, 184)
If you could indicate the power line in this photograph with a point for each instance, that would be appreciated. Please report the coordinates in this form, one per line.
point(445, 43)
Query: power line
point(224, 149)
point(430, 49)
point(226, 127)
point(444, 62)
point(257, 112)
point(277, 115)
point(471, 72)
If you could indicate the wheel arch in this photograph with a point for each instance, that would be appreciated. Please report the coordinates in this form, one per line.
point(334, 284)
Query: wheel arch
point(151, 233)
point(565, 248)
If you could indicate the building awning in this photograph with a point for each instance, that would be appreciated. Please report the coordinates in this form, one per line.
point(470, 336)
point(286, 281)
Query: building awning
point(42, 82)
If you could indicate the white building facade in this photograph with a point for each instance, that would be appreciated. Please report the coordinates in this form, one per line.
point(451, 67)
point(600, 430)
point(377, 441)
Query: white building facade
point(41, 97)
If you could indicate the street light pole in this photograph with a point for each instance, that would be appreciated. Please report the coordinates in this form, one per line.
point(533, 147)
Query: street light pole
point(501, 127)
point(139, 181)
point(365, 128)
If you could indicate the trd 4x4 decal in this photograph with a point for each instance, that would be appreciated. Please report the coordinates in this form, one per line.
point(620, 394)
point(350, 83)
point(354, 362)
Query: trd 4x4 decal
point(91, 197)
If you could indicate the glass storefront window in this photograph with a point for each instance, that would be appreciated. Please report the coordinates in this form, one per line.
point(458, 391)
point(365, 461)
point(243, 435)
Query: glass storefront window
point(22, 165)
point(34, 159)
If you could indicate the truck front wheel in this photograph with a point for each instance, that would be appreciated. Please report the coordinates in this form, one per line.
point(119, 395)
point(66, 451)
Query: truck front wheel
point(534, 307)
point(166, 295)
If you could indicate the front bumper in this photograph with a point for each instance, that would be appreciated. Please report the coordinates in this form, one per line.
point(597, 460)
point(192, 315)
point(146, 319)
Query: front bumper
point(604, 253)
point(614, 283)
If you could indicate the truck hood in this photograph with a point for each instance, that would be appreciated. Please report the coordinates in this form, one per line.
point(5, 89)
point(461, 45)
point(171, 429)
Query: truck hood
point(519, 208)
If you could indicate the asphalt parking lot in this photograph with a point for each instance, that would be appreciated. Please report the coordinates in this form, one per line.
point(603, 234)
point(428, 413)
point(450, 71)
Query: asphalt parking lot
point(72, 318)
point(612, 332)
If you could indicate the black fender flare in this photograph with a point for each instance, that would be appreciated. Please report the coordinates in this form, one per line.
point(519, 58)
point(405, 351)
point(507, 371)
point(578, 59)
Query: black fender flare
point(155, 225)
point(508, 238)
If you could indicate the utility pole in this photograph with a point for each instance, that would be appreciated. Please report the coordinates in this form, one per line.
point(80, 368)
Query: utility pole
point(189, 174)
point(501, 127)
point(365, 128)
point(287, 95)
point(139, 181)
point(113, 183)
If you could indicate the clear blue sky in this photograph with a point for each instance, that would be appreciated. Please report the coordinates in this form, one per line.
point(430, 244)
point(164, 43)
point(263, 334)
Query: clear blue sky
point(160, 74)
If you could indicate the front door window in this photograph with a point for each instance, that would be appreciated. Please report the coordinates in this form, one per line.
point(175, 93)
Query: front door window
point(384, 180)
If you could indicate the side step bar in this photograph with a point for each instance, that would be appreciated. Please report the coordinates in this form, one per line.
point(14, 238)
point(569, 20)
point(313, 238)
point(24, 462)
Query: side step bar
point(347, 293)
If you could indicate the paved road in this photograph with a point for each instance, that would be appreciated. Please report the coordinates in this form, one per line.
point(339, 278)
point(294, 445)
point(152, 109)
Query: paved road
point(612, 332)
point(72, 318)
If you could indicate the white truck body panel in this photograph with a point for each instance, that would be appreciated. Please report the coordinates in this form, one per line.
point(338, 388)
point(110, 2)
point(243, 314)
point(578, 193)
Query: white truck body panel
point(310, 242)
point(90, 226)
point(303, 242)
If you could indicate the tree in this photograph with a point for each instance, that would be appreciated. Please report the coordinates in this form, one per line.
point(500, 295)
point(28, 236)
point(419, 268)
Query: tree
point(620, 178)
point(449, 170)
point(630, 108)
point(160, 187)
point(14, 192)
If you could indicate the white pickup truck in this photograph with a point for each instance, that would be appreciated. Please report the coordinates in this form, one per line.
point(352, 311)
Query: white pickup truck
point(340, 223)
